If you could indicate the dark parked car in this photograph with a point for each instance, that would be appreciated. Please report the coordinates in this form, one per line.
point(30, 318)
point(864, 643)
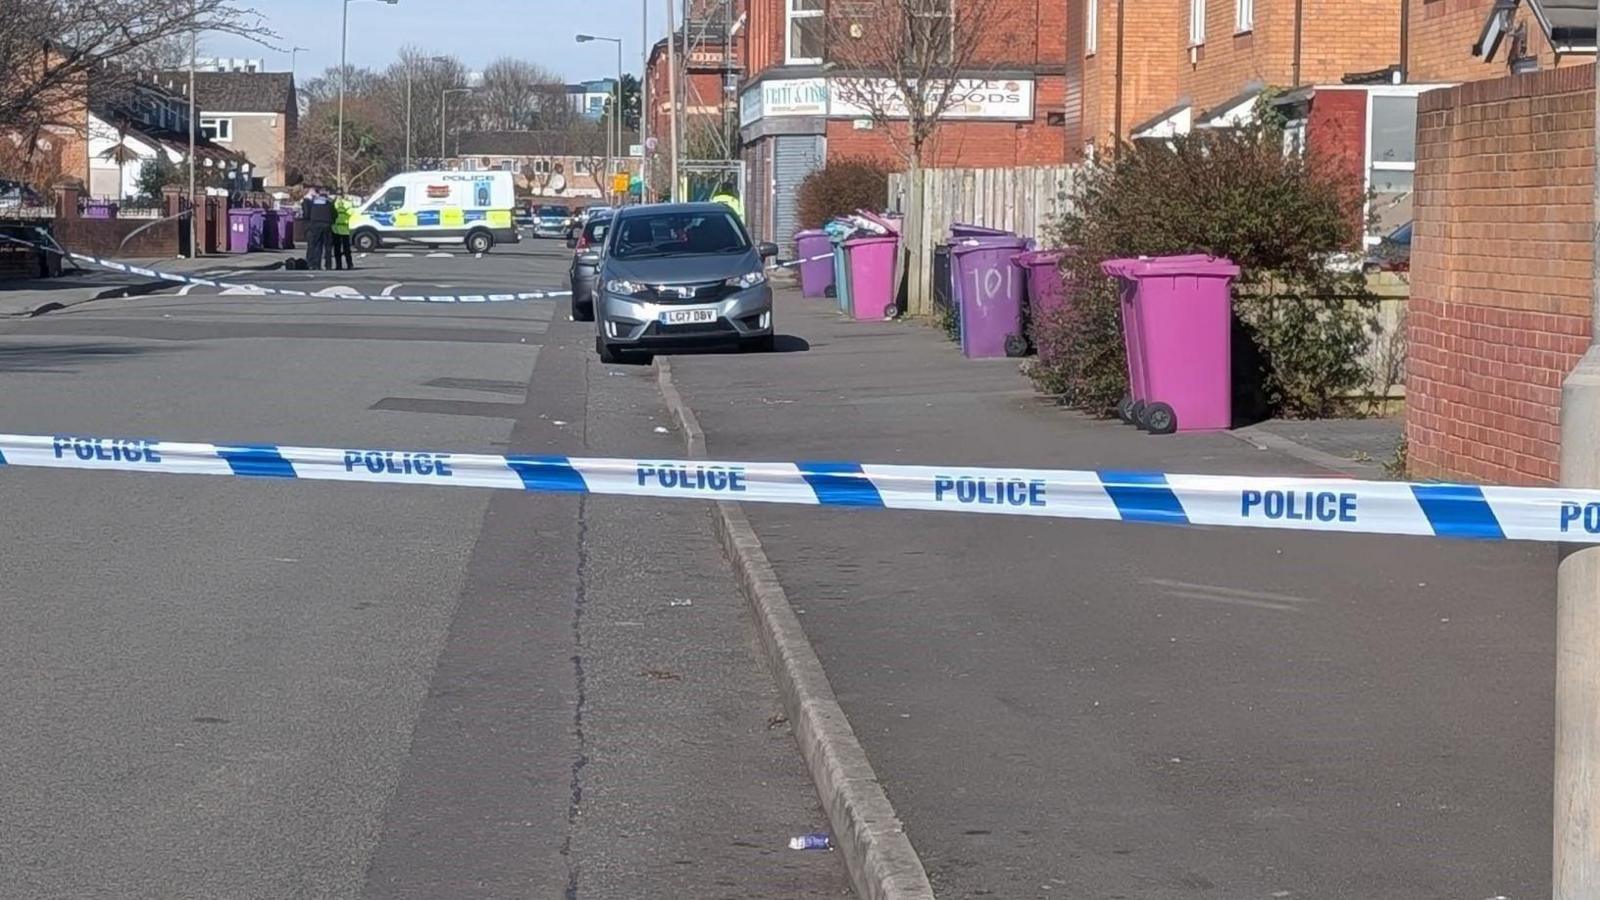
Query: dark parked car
point(681, 274)
point(585, 272)
point(1392, 254)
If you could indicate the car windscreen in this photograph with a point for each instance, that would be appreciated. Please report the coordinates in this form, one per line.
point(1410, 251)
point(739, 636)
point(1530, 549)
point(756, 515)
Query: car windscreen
point(674, 234)
point(553, 211)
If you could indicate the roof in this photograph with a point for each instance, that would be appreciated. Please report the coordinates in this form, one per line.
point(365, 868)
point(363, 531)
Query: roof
point(263, 92)
point(1170, 114)
point(1231, 110)
point(566, 142)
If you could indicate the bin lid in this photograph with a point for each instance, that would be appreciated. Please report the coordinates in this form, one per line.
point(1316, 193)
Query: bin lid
point(1040, 257)
point(990, 242)
point(810, 233)
point(872, 239)
point(1155, 266)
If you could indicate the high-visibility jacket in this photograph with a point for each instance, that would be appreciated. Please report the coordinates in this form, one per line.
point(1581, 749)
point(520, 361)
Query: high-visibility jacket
point(731, 202)
point(342, 209)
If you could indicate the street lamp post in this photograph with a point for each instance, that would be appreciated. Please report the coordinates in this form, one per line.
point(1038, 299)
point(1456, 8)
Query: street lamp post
point(344, 76)
point(644, 103)
point(443, 94)
point(614, 133)
point(294, 58)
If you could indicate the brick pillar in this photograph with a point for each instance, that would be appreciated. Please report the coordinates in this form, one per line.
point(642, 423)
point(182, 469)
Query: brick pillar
point(68, 191)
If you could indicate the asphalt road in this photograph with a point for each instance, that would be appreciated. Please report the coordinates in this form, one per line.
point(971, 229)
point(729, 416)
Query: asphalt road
point(224, 688)
point(1106, 710)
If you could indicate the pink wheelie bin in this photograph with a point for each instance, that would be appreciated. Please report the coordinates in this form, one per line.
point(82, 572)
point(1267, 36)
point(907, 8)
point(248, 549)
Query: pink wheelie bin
point(1177, 321)
point(871, 260)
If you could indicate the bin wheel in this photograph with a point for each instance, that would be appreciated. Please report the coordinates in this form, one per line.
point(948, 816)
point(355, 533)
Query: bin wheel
point(891, 311)
point(1016, 345)
point(1125, 407)
point(1160, 419)
point(831, 292)
point(1136, 414)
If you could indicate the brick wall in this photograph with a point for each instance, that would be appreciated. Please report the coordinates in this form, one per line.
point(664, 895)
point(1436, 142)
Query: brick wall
point(764, 36)
point(103, 237)
point(1150, 66)
point(1337, 37)
point(1336, 138)
point(967, 144)
point(1443, 32)
point(1500, 273)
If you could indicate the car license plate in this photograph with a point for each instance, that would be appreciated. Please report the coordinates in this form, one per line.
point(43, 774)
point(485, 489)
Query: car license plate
point(688, 316)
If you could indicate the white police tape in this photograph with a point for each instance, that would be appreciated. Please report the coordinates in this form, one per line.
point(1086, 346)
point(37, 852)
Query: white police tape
point(1307, 504)
point(258, 290)
point(791, 263)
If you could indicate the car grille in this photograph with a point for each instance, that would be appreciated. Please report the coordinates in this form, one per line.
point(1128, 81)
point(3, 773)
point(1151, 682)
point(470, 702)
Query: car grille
point(704, 292)
point(720, 326)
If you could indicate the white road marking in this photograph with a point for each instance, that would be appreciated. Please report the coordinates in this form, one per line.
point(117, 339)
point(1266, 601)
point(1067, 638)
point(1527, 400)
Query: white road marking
point(440, 255)
point(243, 290)
point(388, 290)
point(477, 256)
point(399, 255)
point(336, 290)
point(184, 291)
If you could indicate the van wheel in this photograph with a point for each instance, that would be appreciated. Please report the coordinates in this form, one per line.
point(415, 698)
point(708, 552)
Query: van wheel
point(365, 241)
point(479, 242)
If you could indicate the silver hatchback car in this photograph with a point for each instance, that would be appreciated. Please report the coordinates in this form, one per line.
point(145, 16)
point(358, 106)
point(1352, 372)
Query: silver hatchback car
point(681, 275)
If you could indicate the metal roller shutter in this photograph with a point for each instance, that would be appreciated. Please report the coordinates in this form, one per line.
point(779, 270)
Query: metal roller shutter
point(795, 157)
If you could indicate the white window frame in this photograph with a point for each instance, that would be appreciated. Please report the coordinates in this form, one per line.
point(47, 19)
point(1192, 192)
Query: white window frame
point(1386, 165)
point(1197, 23)
point(1244, 16)
point(1091, 27)
point(508, 165)
point(223, 127)
point(470, 164)
point(790, 14)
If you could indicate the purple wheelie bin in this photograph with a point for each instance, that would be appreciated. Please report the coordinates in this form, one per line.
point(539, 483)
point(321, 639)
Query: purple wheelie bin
point(258, 228)
point(240, 220)
point(286, 217)
point(816, 275)
point(871, 260)
point(1178, 320)
point(988, 294)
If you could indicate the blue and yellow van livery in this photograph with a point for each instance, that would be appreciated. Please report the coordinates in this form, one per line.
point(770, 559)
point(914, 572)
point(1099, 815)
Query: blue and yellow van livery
point(472, 208)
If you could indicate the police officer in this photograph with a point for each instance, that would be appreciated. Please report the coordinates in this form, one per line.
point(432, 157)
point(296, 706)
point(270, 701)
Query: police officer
point(342, 209)
point(317, 212)
point(728, 196)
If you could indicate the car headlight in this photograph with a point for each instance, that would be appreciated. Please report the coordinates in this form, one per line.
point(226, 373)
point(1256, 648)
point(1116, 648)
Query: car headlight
point(624, 287)
point(748, 280)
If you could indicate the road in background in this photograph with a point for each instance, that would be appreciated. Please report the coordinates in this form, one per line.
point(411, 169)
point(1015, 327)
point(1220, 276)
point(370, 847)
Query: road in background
point(226, 688)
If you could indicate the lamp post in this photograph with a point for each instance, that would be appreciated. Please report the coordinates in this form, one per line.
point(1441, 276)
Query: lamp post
point(410, 68)
point(443, 94)
point(672, 93)
point(344, 76)
point(644, 102)
point(294, 58)
point(614, 134)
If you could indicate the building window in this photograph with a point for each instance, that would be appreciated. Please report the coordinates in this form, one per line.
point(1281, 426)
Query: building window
point(805, 26)
point(1391, 160)
point(932, 24)
point(217, 129)
point(541, 167)
point(507, 165)
point(1244, 15)
point(1197, 22)
point(1091, 27)
point(470, 164)
point(580, 166)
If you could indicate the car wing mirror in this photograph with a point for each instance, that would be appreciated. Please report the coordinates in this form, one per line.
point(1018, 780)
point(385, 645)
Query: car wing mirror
point(768, 250)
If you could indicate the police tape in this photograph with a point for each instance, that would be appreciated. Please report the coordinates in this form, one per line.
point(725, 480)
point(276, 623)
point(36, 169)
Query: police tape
point(258, 290)
point(1307, 504)
point(791, 263)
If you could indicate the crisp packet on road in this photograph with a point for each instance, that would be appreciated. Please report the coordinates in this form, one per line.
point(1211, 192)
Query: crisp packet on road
point(818, 841)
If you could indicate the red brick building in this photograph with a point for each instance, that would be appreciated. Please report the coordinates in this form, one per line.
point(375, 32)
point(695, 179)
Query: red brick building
point(794, 116)
point(1501, 263)
point(710, 58)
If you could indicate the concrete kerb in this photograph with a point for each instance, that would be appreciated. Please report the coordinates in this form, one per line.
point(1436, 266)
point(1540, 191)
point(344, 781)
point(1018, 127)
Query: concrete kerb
point(878, 855)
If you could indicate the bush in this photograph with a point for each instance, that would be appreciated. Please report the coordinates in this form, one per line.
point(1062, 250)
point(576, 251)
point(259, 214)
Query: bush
point(1231, 193)
point(842, 187)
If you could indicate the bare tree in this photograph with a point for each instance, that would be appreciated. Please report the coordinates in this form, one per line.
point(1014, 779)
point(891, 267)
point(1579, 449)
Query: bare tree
point(429, 76)
point(513, 94)
point(50, 50)
point(905, 65)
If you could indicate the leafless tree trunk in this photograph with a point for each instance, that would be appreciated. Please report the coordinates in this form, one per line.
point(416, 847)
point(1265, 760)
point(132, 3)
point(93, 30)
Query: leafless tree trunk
point(905, 64)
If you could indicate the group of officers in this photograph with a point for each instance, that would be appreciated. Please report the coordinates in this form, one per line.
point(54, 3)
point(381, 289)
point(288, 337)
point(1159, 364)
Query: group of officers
point(327, 217)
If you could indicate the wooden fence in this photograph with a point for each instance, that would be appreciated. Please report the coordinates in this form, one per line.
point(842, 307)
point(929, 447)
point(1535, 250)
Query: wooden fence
point(1021, 200)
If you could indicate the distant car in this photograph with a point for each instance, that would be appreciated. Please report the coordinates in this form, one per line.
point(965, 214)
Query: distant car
point(1392, 254)
point(585, 271)
point(14, 195)
point(523, 219)
point(551, 221)
point(681, 274)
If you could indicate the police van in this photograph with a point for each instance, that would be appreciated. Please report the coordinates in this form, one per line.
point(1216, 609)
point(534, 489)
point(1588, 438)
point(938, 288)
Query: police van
point(473, 208)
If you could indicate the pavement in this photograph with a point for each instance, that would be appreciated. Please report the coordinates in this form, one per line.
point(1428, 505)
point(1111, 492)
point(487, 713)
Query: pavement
point(36, 296)
point(226, 688)
point(1361, 448)
point(1086, 709)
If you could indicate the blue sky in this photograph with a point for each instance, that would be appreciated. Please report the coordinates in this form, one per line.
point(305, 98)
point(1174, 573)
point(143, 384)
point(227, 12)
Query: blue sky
point(477, 31)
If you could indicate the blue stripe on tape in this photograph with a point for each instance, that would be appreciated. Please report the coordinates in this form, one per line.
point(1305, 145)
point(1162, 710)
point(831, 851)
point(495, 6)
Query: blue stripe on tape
point(2, 458)
point(257, 461)
point(1144, 497)
point(1458, 511)
point(840, 484)
point(548, 473)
